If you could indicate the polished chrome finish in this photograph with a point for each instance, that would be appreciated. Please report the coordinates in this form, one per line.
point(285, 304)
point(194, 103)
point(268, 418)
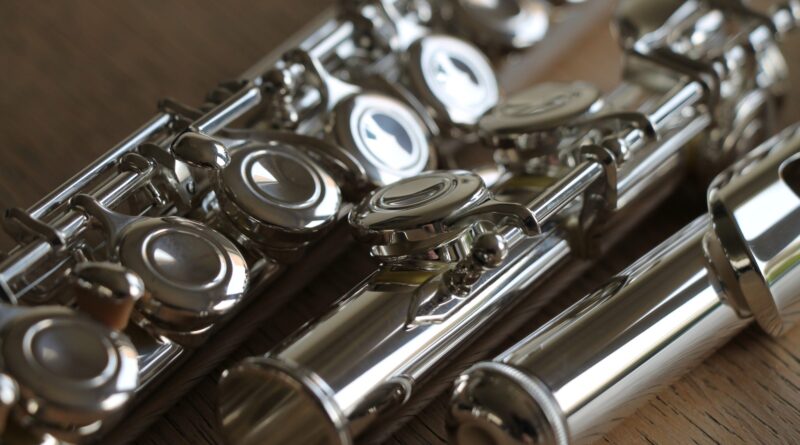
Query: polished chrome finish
point(193, 274)
point(579, 166)
point(9, 396)
point(299, 407)
point(77, 182)
point(572, 379)
point(542, 119)
point(543, 106)
point(786, 17)
point(453, 78)
point(200, 150)
point(501, 25)
point(385, 135)
point(431, 211)
point(639, 332)
point(389, 374)
point(694, 49)
point(565, 191)
point(73, 373)
point(755, 206)
point(277, 196)
point(107, 292)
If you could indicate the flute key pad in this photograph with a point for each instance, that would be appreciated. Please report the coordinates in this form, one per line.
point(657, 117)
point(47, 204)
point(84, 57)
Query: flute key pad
point(72, 371)
point(454, 78)
point(277, 195)
point(387, 136)
point(540, 108)
point(192, 273)
point(420, 211)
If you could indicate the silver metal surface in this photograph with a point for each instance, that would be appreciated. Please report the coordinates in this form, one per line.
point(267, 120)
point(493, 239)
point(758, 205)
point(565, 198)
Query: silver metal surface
point(501, 24)
point(107, 292)
point(194, 275)
point(544, 106)
point(277, 195)
point(583, 162)
point(572, 379)
point(200, 150)
point(755, 208)
point(453, 77)
point(9, 396)
point(73, 373)
point(207, 207)
point(385, 135)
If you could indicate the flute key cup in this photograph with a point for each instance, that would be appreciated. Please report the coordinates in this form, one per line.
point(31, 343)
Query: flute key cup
point(500, 26)
point(72, 372)
point(435, 216)
point(273, 197)
point(193, 275)
point(385, 135)
point(449, 76)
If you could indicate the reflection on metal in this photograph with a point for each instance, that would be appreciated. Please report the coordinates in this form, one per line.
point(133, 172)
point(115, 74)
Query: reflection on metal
point(574, 165)
point(595, 363)
point(163, 239)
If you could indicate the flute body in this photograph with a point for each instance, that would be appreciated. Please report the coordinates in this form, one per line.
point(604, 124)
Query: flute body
point(203, 208)
point(573, 379)
point(456, 256)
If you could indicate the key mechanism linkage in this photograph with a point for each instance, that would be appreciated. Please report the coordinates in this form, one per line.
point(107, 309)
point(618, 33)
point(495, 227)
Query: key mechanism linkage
point(167, 236)
point(663, 314)
point(578, 169)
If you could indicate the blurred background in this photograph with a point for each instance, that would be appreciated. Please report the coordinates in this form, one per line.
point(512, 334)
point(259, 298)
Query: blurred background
point(79, 76)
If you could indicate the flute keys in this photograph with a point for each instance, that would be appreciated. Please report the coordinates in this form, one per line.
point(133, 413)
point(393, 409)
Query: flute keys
point(193, 274)
point(414, 210)
point(536, 121)
point(426, 214)
point(386, 136)
point(277, 195)
point(107, 292)
point(454, 78)
point(540, 108)
point(200, 150)
point(72, 372)
point(638, 18)
point(502, 25)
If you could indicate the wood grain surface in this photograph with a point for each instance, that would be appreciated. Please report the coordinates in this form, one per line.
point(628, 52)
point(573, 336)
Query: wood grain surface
point(78, 76)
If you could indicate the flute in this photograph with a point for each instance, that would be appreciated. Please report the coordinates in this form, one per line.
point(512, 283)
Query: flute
point(201, 209)
point(574, 378)
point(456, 255)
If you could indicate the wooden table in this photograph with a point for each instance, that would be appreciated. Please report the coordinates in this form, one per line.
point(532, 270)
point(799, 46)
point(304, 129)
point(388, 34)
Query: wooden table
point(78, 76)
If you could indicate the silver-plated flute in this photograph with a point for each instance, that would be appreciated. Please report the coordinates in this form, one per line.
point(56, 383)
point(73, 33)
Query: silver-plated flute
point(202, 208)
point(596, 362)
point(456, 255)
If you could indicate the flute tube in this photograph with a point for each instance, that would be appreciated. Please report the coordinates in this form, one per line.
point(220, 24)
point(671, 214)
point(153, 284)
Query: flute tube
point(571, 380)
point(594, 364)
point(364, 358)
